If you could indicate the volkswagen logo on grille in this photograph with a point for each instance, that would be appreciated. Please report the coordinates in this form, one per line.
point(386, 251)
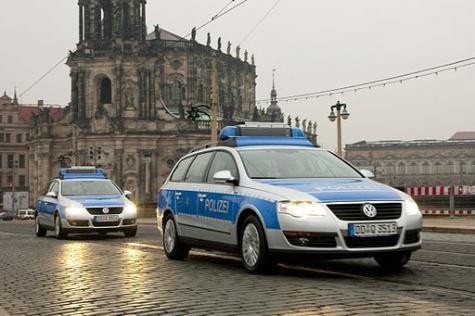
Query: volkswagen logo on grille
point(105, 210)
point(369, 210)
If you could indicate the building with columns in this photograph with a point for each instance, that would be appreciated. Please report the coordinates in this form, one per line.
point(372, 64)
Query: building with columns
point(133, 95)
point(418, 163)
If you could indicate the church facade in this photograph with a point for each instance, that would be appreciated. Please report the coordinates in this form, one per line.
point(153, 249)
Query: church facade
point(139, 101)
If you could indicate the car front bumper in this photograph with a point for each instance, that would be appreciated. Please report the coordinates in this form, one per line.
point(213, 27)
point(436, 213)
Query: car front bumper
point(329, 235)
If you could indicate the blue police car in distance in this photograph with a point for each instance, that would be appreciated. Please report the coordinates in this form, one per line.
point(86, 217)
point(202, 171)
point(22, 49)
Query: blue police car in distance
point(267, 192)
point(83, 200)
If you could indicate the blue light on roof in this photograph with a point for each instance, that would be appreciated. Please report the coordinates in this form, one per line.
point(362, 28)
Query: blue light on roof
point(82, 173)
point(261, 135)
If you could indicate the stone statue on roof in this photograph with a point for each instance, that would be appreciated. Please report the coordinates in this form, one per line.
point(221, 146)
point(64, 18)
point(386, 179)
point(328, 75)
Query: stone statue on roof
point(289, 120)
point(219, 43)
point(238, 51)
point(253, 62)
point(208, 41)
point(193, 34)
point(229, 48)
point(246, 54)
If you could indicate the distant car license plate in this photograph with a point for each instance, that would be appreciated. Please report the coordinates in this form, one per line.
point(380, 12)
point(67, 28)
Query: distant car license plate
point(372, 229)
point(106, 218)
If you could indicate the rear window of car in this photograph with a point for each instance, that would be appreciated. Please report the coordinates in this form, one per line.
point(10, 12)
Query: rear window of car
point(181, 169)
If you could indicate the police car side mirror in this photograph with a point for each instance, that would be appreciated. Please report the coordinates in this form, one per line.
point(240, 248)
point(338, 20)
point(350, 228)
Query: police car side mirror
point(52, 195)
point(127, 193)
point(224, 176)
point(367, 174)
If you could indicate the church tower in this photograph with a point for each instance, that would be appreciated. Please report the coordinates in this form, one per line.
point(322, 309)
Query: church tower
point(106, 24)
point(274, 113)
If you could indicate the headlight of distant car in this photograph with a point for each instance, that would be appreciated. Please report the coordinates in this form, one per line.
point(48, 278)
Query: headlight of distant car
point(130, 208)
point(302, 208)
point(75, 209)
point(411, 207)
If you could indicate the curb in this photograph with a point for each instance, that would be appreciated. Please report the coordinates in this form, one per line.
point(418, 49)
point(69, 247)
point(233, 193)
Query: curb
point(449, 230)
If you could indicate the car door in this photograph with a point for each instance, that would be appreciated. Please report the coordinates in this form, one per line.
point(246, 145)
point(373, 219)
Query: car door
point(41, 205)
point(50, 203)
point(216, 205)
point(191, 225)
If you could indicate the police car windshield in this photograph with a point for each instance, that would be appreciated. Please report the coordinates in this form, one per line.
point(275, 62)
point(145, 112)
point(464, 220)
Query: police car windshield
point(88, 188)
point(280, 163)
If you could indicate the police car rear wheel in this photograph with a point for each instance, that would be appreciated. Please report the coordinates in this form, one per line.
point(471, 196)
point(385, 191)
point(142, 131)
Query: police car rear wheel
point(393, 261)
point(40, 231)
point(59, 231)
point(254, 252)
point(174, 249)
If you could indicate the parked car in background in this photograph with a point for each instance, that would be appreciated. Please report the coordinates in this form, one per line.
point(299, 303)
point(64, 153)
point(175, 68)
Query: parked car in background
point(7, 216)
point(26, 214)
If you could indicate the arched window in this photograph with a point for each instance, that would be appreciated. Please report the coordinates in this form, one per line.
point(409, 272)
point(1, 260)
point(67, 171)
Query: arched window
point(426, 168)
point(438, 168)
point(105, 88)
point(177, 91)
point(414, 168)
point(450, 168)
point(401, 169)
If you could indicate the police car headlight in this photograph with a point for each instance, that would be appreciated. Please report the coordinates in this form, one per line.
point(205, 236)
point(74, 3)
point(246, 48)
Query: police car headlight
point(74, 210)
point(302, 208)
point(131, 209)
point(411, 207)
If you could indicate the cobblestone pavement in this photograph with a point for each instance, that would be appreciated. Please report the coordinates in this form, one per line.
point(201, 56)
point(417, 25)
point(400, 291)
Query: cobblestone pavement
point(117, 276)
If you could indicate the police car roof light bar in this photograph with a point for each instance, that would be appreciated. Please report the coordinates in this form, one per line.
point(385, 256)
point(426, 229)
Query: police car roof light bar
point(82, 173)
point(260, 134)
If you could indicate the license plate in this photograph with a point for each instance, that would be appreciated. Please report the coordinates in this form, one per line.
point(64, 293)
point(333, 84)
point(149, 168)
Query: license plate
point(372, 229)
point(106, 218)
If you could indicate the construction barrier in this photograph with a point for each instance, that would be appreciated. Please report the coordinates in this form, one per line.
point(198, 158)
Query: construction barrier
point(441, 190)
point(447, 212)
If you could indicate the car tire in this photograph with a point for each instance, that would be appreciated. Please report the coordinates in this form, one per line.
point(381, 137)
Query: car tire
point(40, 231)
point(393, 260)
point(59, 231)
point(173, 247)
point(130, 232)
point(253, 247)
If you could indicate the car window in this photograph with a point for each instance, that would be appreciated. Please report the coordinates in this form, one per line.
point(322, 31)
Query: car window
point(89, 188)
point(54, 187)
point(197, 170)
point(222, 161)
point(181, 169)
point(48, 188)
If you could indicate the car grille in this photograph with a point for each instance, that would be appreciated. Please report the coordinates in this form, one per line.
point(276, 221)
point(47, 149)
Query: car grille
point(106, 224)
point(316, 240)
point(412, 236)
point(353, 212)
point(371, 242)
point(99, 210)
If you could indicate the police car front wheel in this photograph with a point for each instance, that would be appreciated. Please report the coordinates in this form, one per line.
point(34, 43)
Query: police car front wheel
point(174, 248)
point(59, 231)
point(253, 246)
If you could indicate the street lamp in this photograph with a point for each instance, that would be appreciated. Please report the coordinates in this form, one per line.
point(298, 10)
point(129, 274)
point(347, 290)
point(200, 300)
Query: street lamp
point(341, 113)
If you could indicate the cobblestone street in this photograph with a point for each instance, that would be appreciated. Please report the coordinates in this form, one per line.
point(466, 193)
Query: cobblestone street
point(116, 276)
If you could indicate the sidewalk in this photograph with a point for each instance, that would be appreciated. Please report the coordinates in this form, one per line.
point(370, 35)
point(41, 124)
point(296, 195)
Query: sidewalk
point(457, 225)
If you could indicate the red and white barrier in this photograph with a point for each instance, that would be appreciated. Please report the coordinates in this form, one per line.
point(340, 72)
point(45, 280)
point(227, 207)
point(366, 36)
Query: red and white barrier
point(447, 212)
point(441, 190)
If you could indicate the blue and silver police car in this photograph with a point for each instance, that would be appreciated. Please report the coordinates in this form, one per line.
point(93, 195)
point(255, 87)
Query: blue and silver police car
point(83, 200)
point(268, 192)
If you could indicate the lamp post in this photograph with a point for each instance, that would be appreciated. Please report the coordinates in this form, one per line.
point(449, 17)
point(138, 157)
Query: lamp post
point(341, 113)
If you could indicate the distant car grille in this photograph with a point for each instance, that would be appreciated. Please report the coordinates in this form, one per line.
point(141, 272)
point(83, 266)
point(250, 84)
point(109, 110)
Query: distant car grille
point(412, 236)
point(106, 224)
point(99, 210)
point(315, 240)
point(371, 242)
point(353, 212)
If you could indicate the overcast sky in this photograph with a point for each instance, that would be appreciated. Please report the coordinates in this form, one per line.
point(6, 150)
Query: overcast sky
point(313, 44)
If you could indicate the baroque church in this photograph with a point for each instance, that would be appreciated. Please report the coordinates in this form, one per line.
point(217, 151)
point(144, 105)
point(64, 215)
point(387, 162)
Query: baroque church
point(139, 100)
